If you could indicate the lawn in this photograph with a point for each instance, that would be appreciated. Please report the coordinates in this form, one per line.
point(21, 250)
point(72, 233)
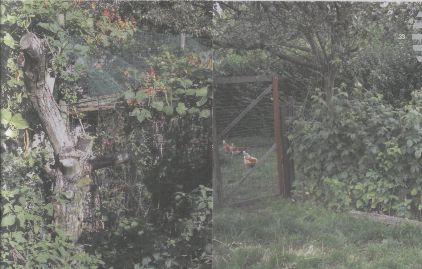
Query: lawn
point(262, 182)
point(275, 233)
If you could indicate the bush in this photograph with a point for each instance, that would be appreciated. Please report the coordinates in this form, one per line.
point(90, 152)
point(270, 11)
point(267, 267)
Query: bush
point(364, 154)
point(28, 236)
point(157, 208)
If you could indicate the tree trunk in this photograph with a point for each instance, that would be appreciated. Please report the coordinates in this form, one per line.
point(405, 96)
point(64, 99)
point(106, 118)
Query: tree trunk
point(68, 202)
point(73, 164)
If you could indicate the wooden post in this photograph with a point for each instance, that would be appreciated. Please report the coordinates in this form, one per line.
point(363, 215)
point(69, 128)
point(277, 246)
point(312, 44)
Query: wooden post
point(216, 170)
point(290, 113)
point(288, 165)
point(182, 41)
point(277, 138)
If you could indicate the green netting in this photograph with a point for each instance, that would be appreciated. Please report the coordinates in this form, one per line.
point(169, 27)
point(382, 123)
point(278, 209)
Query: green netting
point(106, 73)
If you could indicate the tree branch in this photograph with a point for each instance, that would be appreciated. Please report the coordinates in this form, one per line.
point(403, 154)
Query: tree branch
point(40, 85)
point(296, 60)
point(109, 160)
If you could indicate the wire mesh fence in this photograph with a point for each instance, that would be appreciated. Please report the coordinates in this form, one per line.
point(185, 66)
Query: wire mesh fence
point(251, 137)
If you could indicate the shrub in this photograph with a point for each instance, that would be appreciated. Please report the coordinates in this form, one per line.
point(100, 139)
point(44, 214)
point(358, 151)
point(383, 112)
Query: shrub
point(363, 154)
point(28, 236)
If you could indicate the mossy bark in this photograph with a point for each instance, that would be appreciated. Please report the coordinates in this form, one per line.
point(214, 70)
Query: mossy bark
point(71, 162)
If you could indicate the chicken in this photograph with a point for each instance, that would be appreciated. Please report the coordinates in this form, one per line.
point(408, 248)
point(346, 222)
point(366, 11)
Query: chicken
point(227, 148)
point(237, 150)
point(248, 160)
point(232, 148)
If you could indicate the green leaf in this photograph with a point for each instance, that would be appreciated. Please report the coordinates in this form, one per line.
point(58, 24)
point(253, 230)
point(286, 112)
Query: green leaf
point(135, 112)
point(202, 102)
point(205, 113)
point(143, 115)
point(158, 105)
point(19, 122)
point(69, 195)
point(186, 83)
point(190, 91)
point(141, 95)
point(6, 115)
point(414, 192)
point(85, 181)
point(9, 41)
point(8, 220)
point(52, 27)
point(181, 108)
point(168, 110)
point(180, 91)
point(146, 261)
point(11, 133)
point(18, 236)
point(418, 153)
point(81, 49)
point(202, 91)
point(129, 94)
point(49, 209)
point(193, 110)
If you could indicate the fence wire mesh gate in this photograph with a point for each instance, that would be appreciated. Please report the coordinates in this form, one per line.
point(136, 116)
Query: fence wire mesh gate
point(244, 111)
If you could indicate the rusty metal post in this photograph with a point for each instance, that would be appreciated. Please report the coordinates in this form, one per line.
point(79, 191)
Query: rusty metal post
point(277, 138)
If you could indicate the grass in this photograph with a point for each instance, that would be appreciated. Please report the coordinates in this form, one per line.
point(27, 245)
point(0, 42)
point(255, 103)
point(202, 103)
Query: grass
point(274, 233)
point(282, 234)
point(262, 182)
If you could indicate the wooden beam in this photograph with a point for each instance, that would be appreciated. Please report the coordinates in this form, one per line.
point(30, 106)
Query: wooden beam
point(385, 219)
point(217, 181)
point(283, 187)
point(242, 79)
point(288, 162)
point(92, 104)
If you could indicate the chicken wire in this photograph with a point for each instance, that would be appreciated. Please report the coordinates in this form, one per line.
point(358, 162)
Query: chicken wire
point(254, 133)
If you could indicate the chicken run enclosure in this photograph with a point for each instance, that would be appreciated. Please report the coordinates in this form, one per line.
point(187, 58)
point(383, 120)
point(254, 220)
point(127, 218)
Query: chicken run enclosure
point(252, 159)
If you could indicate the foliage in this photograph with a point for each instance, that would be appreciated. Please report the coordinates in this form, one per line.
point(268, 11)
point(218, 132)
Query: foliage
point(367, 155)
point(71, 30)
point(229, 62)
point(26, 228)
point(129, 225)
point(172, 85)
point(310, 44)
point(168, 132)
point(386, 64)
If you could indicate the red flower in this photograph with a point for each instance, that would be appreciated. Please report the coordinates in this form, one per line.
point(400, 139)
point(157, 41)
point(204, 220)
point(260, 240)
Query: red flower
point(151, 72)
point(150, 91)
point(107, 14)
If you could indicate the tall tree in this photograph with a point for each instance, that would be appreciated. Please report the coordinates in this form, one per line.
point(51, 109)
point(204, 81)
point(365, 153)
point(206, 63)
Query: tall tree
point(54, 41)
point(315, 36)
